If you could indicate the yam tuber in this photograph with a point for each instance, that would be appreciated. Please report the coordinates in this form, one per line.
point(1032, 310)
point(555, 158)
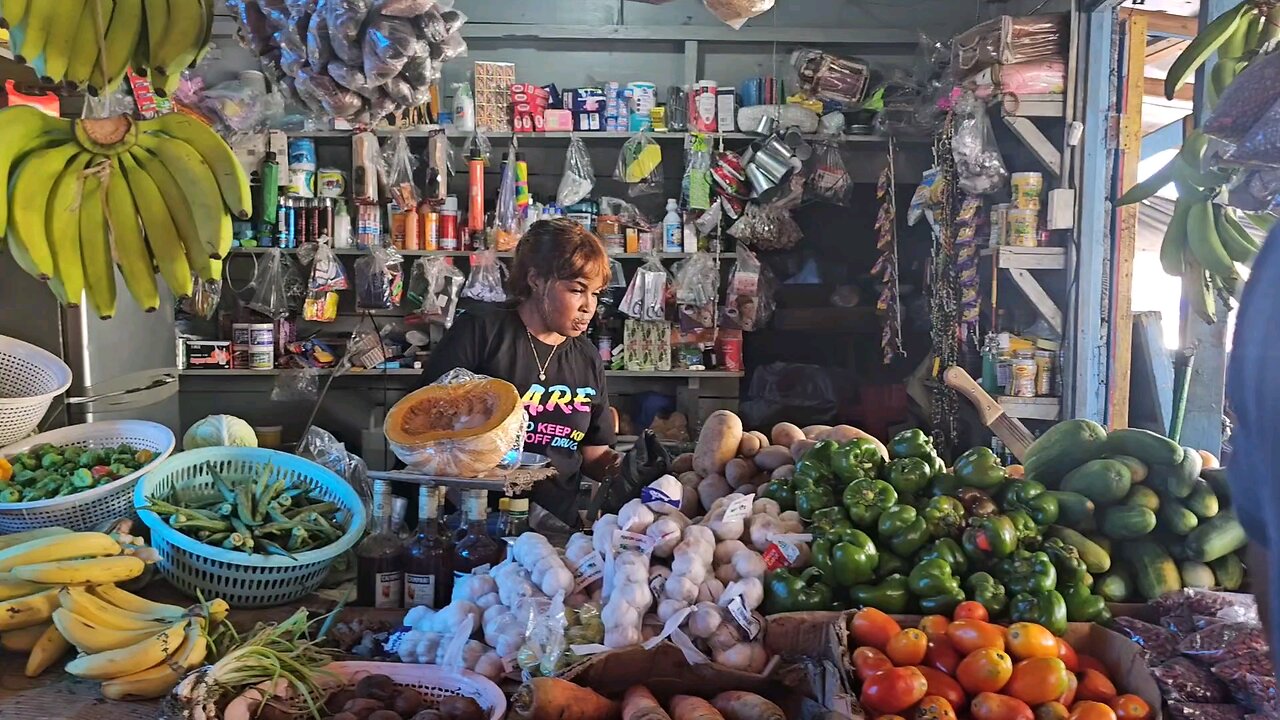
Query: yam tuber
point(640, 704)
point(741, 705)
point(688, 707)
point(555, 699)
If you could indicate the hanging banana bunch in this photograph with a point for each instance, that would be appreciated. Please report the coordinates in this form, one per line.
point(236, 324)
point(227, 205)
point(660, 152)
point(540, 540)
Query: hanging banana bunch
point(91, 43)
point(84, 197)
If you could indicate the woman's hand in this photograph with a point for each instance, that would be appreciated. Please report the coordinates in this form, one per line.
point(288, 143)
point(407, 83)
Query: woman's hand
point(601, 462)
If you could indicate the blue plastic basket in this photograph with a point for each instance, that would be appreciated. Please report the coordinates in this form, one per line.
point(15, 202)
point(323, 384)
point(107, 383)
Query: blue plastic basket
point(241, 579)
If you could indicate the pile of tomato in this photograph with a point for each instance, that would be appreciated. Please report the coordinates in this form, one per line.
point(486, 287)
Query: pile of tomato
point(965, 666)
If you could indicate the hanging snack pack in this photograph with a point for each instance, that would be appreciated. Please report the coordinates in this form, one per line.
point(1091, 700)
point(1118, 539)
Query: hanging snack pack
point(830, 78)
point(695, 189)
point(697, 287)
point(398, 166)
point(487, 279)
point(434, 289)
point(379, 279)
point(646, 297)
point(579, 177)
point(749, 303)
point(326, 279)
point(640, 165)
point(828, 180)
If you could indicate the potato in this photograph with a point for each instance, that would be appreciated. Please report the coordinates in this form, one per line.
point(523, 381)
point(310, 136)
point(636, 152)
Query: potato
point(711, 489)
point(764, 439)
point(682, 464)
point(772, 457)
point(813, 431)
point(338, 700)
point(690, 478)
point(746, 489)
point(717, 443)
point(362, 707)
point(689, 500)
point(460, 708)
point(785, 472)
point(407, 701)
point(800, 447)
point(749, 446)
point(737, 471)
point(384, 715)
point(784, 433)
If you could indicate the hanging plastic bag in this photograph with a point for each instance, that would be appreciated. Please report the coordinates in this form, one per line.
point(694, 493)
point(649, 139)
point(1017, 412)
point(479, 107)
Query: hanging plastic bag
point(766, 228)
point(488, 278)
point(205, 297)
point(327, 277)
point(736, 13)
point(506, 217)
point(379, 279)
point(749, 303)
point(296, 386)
point(646, 296)
point(979, 164)
point(434, 289)
point(579, 177)
point(828, 180)
point(398, 164)
point(695, 188)
point(697, 286)
point(640, 166)
point(268, 286)
point(477, 141)
point(611, 298)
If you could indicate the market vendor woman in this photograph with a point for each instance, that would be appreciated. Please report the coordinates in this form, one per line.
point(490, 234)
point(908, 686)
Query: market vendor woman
point(537, 343)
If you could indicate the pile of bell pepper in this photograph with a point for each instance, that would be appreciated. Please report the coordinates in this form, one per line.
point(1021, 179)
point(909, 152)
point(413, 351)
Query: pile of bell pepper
point(905, 534)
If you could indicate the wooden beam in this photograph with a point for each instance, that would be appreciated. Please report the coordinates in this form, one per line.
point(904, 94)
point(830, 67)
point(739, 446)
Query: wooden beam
point(1154, 87)
point(1165, 50)
point(1161, 23)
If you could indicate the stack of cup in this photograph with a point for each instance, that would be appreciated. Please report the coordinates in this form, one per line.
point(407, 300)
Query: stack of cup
point(1022, 224)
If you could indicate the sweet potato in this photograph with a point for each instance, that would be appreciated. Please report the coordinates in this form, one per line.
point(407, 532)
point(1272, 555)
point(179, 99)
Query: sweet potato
point(800, 447)
point(688, 707)
point(640, 704)
point(813, 431)
point(555, 699)
point(739, 705)
point(749, 446)
point(682, 463)
point(784, 433)
point(717, 443)
point(772, 458)
point(738, 471)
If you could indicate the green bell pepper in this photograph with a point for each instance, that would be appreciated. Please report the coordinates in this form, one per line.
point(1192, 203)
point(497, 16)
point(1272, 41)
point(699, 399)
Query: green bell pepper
point(828, 520)
point(812, 499)
point(948, 551)
point(1030, 496)
point(979, 467)
point(912, 443)
point(865, 499)
point(944, 516)
point(1027, 530)
point(909, 476)
point(786, 591)
point(891, 564)
point(810, 472)
point(935, 587)
point(821, 453)
point(855, 459)
point(989, 538)
point(780, 491)
point(944, 485)
point(1027, 572)
point(937, 466)
point(889, 595)
point(988, 591)
point(1083, 605)
point(1048, 608)
point(902, 531)
point(1066, 559)
point(845, 557)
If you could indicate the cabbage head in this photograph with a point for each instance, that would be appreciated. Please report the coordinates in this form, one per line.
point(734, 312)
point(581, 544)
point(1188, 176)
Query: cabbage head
point(219, 431)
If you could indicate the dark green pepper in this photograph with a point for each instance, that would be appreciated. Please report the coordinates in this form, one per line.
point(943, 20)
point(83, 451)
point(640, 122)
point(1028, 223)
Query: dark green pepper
point(979, 467)
point(813, 499)
point(845, 557)
point(1083, 605)
point(912, 443)
point(1030, 496)
point(909, 476)
point(935, 587)
point(865, 499)
point(1047, 608)
point(821, 454)
point(786, 591)
point(815, 465)
point(988, 591)
point(810, 473)
point(1027, 572)
point(780, 492)
point(889, 595)
point(944, 484)
point(902, 531)
point(1027, 530)
point(891, 564)
point(990, 538)
point(948, 551)
point(855, 459)
point(1066, 559)
point(944, 516)
point(828, 520)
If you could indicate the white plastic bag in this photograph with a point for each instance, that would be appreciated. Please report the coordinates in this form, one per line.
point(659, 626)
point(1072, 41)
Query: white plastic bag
point(579, 177)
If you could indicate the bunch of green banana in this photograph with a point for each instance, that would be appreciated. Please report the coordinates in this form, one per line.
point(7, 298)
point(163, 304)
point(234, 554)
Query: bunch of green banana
point(1236, 35)
point(91, 43)
point(85, 197)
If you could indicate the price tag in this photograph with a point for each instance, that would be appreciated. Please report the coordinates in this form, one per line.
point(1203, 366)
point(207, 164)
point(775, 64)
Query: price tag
point(739, 509)
point(634, 542)
point(589, 649)
point(748, 622)
point(672, 624)
point(656, 583)
point(587, 570)
point(650, 494)
point(780, 554)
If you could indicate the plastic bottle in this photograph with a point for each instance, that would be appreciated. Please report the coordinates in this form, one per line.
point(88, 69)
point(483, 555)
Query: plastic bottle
point(475, 172)
point(464, 108)
point(341, 226)
point(672, 229)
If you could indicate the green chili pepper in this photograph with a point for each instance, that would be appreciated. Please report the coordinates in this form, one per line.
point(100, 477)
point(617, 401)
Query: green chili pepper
point(890, 594)
point(865, 499)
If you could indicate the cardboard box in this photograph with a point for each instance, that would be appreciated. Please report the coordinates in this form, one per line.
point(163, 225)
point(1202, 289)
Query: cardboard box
point(208, 354)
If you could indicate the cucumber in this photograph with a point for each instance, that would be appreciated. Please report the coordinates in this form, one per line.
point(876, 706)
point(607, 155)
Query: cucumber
point(1101, 541)
point(1096, 560)
point(1143, 496)
point(1216, 537)
point(1177, 519)
point(1177, 480)
point(1217, 479)
point(1151, 448)
point(1195, 574)
point(1154, 572)
point(1127, 522)
point(1228, 572)
point(1202, 501)
point(1074, 509)
point(1102, 481)
point(1137, 469)
point(1063, 448)
point(1114, 586)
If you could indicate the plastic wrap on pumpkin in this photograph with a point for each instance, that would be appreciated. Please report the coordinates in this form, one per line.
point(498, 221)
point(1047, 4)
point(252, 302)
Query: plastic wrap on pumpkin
point(462, 425)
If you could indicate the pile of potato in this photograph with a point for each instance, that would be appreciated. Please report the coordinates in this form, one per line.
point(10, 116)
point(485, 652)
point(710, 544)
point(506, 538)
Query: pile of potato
point(377, 697)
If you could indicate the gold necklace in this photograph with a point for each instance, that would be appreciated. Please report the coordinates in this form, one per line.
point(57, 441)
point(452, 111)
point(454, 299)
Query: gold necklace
point(542, 367)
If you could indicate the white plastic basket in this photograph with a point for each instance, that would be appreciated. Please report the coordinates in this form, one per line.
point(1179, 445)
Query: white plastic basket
point(84, 511)
point(30, 378)
point(433, 681)
point(243, 580)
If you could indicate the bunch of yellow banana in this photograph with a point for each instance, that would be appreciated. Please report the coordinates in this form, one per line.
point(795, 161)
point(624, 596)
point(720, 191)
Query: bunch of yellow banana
point(91, 43)
point(84, 197)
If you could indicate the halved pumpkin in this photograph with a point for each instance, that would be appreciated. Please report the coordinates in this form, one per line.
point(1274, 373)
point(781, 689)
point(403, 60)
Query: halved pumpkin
point(460, 429)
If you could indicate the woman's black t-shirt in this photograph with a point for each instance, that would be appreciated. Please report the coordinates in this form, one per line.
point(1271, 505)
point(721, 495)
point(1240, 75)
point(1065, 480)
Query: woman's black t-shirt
point(567, 410)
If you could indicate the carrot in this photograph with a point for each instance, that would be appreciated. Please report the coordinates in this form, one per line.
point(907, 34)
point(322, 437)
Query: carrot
point(688, 707)
point(556, 699)
point(640, 704)
point(739, 705)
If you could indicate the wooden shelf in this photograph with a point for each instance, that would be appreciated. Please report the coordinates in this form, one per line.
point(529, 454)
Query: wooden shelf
point(1037, 408)
point(1037, 106)
point(1028, 258)
point(428, 131)
point(468, 253)
point(668, 374)
point(674, 374)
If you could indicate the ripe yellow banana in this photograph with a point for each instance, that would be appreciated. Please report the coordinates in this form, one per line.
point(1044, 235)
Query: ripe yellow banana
point(15, 11)
point(180, 211)
point(127, 243)
point(159, 680)
point(196, 181)
point(157, 15)
point(84, 53)
point(126, 600)
point(181, 39)
point(103, 614)
point(92, 638)
point(1202, 238)
point(25, 129)
point(35, 175)
point(28, 610)
point(66, 546)
point(41, 17)
point(62, 220)
point(162, 236)
point(48, 650)
point(95, 245)
point(129, 660)
point(8, 541)
point(11, 588)
point(21, 641)
point(62, 35)
point(233, 182)
point(122, 35)
point(92, 571)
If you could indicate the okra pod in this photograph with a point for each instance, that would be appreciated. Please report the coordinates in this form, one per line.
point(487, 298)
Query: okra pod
point(274, 549)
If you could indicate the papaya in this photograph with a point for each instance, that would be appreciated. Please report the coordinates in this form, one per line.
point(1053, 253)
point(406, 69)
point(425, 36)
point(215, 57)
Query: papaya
point(1149, 447)
point(1062, 448)
point(1102, 481)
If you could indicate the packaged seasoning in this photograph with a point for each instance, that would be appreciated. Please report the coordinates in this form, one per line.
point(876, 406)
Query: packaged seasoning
point(1250, 678)
point(1023, 381)
point(1203, 711)
point(1209, 603)
point(1181, 680)
point(1224, 641)
point(1157, 643)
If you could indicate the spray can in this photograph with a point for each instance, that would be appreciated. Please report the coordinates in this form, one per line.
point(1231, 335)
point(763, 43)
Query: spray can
point(475, 172)
point(449, 224)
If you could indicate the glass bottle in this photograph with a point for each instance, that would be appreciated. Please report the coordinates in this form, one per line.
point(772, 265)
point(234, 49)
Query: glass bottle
point(498, 525)
point(517, 517)
point(476, 547)
point(379, 573)
point(428, 579)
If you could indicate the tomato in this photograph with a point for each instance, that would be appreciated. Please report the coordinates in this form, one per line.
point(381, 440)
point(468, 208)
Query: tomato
point(1073, 684)
point(1014, 472)
point(943, 685)
point(1029, 640)
point(1051, 711)
point(1130, 707)
point(1067, 655)
point(971, 610)
point(985, 670)
point(970, 635)
point(933, 707)
point(907, 647)
point(1089, 662)
point(1089, 710)
point(934, 625)
point(872, 627)
point(1037, 680)
point(868, 661)
point(893, 690)
point(1095, 686)
point(942, 655)
point(990, 706)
